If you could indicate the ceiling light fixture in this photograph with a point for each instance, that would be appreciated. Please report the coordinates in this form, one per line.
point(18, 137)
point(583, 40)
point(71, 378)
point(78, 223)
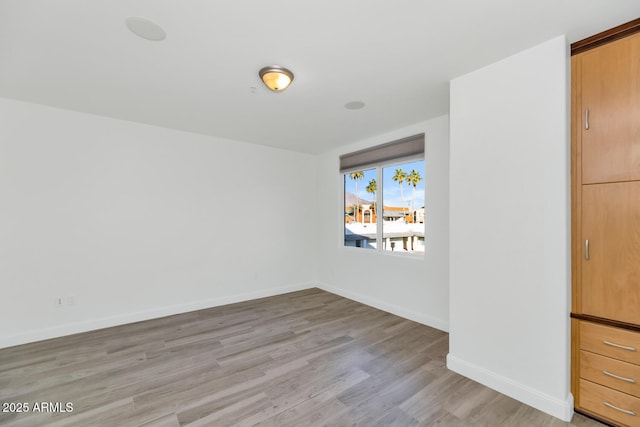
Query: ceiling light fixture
point(276, 78)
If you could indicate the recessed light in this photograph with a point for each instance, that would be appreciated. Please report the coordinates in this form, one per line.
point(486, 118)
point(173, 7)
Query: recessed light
point(354, 105)
point(146, 29)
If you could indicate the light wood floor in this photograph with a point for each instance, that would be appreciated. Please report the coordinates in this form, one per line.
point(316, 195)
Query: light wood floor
point(300, 359)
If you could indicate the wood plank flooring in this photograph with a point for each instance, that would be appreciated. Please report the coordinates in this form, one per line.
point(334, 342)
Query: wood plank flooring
point(300, 359)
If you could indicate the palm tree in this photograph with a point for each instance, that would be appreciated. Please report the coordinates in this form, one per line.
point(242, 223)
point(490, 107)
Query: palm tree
point(413, 179)
point(399, 177)
point(356, 176)
point(371, 189)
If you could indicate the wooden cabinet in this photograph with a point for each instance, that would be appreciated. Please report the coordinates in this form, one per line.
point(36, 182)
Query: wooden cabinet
point(611, 251)
point(609, 383)
point(610, 373)
point(605, 226)
point(610, 112)
point(610, 342)
point(598, 399)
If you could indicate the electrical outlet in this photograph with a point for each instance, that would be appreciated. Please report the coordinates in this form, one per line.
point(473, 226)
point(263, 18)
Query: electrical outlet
point(70, 300)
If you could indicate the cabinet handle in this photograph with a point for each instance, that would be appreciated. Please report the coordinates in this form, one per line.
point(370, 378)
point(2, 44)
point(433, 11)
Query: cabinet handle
point(586, 118)
point(629, 380)
point(624, 347)
point(609, 405)
point(586, 250)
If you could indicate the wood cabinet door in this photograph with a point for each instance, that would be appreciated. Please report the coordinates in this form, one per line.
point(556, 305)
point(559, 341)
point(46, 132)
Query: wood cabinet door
point(610, 85)
point(611, 264)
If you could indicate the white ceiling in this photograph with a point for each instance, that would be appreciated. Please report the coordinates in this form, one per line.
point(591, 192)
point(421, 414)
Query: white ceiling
point(396, 56)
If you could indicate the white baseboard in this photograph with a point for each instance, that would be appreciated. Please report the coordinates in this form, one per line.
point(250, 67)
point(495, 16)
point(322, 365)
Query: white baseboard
point(553, 406)
point(121, 319)
point(433, 322)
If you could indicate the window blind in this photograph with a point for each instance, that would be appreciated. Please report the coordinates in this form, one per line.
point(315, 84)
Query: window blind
point(404, 148)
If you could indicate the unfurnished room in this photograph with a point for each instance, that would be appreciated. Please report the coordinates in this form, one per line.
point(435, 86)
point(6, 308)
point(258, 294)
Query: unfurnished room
point(359, 213)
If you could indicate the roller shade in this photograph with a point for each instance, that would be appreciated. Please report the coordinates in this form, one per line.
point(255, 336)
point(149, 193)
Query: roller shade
point(397, 150)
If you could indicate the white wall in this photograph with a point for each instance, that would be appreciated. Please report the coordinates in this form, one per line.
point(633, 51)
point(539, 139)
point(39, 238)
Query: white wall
point(137, 221)
point(415, 288)
point(509, 263)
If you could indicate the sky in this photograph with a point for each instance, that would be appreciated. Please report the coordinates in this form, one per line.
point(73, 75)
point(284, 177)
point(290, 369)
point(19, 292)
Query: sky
point(391, 194)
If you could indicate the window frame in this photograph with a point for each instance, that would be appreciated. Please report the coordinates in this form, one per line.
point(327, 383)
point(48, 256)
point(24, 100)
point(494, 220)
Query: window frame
point(379, 167)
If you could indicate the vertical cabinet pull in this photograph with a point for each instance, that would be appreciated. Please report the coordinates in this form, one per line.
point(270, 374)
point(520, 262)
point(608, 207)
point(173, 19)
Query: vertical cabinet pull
point(586, 118)
point(586, 250)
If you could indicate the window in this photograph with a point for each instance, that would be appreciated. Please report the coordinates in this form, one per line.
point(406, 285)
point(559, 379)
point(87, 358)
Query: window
point(360, 188)
point(384, 206)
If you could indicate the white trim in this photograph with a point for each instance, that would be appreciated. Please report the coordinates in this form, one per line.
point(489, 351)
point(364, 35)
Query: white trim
point(121, 319)
point(418, 256)
point(424, 319)
point(553, 406)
